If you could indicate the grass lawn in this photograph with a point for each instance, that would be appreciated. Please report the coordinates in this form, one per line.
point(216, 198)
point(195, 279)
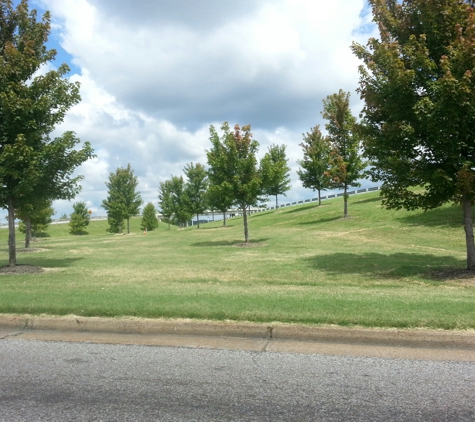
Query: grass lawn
point(377, 268)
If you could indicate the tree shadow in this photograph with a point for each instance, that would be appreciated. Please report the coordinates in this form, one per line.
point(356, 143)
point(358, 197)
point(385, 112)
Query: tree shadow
point(381, 266)
point(46, 263)
point(226, 242)
point(300, 208)
point(437, 217)
point(366, 201)
point(321, 221)
point(217, 228)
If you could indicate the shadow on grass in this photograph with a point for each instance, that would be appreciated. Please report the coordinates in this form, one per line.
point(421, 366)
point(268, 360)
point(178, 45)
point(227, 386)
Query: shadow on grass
point(321, 220)
point(49, 262)
point(367, 201)
point(226, 242)
point(217, 228)
point(300, 208)
point(379, 266)
point(442, 217)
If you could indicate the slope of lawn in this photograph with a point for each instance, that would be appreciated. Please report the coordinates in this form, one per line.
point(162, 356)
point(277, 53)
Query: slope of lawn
point(306, 264)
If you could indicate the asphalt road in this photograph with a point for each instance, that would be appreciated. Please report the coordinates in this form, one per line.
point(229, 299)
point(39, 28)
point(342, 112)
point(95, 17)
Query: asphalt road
point(57, 381)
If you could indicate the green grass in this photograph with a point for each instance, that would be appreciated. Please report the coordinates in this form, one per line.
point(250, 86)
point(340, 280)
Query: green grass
point(308, 265)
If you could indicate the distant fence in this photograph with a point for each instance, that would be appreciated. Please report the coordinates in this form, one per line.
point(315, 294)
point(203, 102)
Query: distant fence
point(337, 195)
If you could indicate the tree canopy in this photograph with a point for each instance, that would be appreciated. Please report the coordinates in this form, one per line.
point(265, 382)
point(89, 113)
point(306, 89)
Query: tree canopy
point(149, 218)
point(196, 187)
point(315, 164)
point(346, 165)
point(417, 81)
point(123, 201)
point(233, 164)
point(79, 218)
point(275, 172)
point(31, 105)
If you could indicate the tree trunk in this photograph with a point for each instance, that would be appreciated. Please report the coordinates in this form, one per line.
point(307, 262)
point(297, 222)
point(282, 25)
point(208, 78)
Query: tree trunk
point(11, 235)
point(276, 203)
point(198, 220)
point(345, 202)
point(128, 225)
point(27, 232)
point(468, 226)
point(224, 219)
point(246, 231)
point(319, 197)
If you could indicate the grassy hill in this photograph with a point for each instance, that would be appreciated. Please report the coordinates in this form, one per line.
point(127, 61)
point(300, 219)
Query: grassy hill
point(305, 265)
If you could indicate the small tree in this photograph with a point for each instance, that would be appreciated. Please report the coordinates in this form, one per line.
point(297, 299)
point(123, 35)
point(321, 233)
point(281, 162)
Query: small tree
point(165, 202)
point(218, 199)
point(233, 164)
point(123, 201)
point(346, 165)
point(275, 172)
point(180, 203)
point(196, 187)
point(315, 165)
point(79, 218)
point(149, 218)
point(35, 222)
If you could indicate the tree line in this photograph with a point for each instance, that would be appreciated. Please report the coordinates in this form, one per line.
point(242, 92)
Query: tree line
point(417, 127)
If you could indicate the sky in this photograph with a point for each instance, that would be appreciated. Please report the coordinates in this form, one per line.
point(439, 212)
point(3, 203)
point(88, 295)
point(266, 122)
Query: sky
point(155, 74)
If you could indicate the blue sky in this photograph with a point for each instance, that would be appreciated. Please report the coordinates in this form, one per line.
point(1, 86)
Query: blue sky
point(155, 74)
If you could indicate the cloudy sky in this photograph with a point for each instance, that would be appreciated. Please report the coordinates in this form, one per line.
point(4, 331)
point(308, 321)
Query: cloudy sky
point(155, 74)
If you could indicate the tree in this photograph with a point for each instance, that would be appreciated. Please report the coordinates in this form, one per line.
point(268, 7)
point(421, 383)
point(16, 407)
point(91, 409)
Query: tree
point(233, 164)
point(35, 221)
point(79, 218)
point(417, 82)
point(123, 201)
point(149, 218)
point(165, 202)
point(275, 172)
point(196, 187)
point(346, 165)
point(180, 204)
point(315, 165)
point(218, 199)
point(32, 166)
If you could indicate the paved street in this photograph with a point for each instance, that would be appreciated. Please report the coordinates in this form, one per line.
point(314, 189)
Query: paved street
point(56, 381)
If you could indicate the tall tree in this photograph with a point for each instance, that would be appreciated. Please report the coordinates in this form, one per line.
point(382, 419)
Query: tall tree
point(35, 219)
point(346, 165)
point(149, 218)
point(232, 160)
point(315, 165)
point(123, 200)
point(31, 105)
point(196, 187)
point(417, 81)
point(79, 218)
point(165, 202)
point(275, 172)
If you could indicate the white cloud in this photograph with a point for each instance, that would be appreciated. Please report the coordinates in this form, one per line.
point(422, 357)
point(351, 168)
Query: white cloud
point(155, 74)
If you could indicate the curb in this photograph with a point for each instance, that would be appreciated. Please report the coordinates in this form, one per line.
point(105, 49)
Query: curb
point(407, 338)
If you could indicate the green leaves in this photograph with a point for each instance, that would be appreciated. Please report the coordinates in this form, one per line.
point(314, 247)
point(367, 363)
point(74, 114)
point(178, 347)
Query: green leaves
point(122, 201)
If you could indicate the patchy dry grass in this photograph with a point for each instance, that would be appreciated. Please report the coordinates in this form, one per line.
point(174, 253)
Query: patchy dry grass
point(305, 264)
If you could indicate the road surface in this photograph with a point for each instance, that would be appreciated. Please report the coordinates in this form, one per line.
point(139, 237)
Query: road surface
point(59, 381)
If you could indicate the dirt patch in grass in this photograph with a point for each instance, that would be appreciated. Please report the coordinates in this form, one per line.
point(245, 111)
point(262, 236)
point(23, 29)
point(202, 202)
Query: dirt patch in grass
point(452, 274)
point(22, 250)
point(21, 269)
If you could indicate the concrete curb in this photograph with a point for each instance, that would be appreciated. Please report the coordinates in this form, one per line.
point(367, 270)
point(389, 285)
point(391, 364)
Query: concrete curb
point(414, 338)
